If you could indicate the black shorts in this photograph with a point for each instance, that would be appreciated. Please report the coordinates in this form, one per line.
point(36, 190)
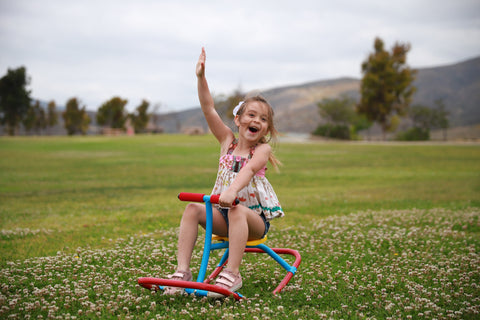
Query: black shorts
point(224, 213)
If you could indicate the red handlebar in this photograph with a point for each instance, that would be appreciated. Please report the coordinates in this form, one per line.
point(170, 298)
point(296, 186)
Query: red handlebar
point(198, 197)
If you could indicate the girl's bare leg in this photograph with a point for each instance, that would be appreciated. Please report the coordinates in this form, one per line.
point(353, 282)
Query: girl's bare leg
point(193, 216)
point(244, 224)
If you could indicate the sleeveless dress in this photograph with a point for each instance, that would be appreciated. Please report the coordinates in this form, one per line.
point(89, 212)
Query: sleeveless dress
point(258, 195)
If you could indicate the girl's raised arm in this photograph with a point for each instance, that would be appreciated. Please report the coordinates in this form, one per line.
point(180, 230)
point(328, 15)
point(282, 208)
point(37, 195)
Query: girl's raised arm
point(223, 133)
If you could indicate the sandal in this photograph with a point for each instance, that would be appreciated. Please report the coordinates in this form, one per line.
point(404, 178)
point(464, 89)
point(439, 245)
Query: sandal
point(178, 275)
point(227, 280)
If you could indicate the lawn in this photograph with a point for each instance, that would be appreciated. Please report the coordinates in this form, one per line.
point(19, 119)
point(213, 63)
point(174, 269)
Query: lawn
point(385, 230)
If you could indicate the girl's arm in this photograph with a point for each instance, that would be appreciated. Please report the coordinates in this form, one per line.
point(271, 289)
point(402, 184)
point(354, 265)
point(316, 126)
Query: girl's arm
point(223, 133)
point(258, 162)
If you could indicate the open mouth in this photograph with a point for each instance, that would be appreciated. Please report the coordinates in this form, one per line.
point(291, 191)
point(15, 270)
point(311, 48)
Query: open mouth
point(253, 129)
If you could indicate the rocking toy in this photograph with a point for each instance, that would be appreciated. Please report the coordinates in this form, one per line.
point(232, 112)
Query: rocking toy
point(202, 286)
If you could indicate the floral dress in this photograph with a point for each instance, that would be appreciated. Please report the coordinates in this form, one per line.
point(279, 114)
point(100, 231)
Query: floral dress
point(258, 195)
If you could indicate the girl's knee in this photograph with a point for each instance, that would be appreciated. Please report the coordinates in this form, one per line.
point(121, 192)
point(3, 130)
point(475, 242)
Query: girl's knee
point(193, 210)
point(193, 206)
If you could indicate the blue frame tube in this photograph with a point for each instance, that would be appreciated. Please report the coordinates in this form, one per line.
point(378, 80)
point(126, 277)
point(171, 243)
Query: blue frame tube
point(208, 239)
point(276, 257)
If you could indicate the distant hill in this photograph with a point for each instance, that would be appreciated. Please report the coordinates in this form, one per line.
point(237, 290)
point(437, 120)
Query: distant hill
point(458, 85)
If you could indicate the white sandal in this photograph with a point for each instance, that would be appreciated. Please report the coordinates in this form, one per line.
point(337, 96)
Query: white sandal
point(178, 275)
point(227, 280)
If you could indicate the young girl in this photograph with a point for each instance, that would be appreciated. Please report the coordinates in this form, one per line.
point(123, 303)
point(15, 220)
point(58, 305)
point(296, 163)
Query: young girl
point(241, 174)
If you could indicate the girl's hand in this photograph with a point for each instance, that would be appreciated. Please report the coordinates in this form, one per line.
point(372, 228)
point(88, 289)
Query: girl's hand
point(200, 69)
point(227, 198)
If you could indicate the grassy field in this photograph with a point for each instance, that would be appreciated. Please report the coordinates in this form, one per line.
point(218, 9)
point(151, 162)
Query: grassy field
point(385, 230)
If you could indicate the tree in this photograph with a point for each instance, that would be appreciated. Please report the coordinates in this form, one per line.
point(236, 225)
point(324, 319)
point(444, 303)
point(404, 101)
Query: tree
point(76, 119)
point(342, 120)
point(386, 87)
point(338, 110)
point(424, 119)
point(141, 117)
point(29, 118)
point(14, 98)
point(35, 118)
point(112, 113)
point(441, 117)
point(422, 116)
point(52, 116)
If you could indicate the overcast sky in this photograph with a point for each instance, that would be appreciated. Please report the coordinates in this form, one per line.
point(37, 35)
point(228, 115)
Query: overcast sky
point(147, 49)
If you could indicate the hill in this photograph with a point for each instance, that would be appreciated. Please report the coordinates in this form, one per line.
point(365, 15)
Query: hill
point(458, 85)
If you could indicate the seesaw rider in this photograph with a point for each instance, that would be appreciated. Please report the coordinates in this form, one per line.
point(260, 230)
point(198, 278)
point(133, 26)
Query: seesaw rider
point(241, 174)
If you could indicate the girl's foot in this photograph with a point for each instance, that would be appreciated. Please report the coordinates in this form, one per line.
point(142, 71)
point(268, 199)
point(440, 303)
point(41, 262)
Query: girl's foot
point(178, 275)
point(227, 280)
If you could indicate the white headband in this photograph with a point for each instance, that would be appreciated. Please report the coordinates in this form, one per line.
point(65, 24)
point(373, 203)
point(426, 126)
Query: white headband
point(235, 110)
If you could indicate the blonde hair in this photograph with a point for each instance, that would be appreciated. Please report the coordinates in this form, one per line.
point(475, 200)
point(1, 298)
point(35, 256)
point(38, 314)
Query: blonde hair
point(271, 126)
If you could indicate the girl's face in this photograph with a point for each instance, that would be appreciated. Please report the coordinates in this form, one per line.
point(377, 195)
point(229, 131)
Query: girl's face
point(253, 123)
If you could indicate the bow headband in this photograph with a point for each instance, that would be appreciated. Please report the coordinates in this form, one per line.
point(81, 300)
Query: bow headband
point(235, 110)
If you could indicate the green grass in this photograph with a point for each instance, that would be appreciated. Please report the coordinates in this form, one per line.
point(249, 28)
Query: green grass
point(385, 230)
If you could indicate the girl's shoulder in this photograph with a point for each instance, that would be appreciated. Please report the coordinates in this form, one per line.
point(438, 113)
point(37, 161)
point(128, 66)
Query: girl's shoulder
point(262, 150)
point(262, 147)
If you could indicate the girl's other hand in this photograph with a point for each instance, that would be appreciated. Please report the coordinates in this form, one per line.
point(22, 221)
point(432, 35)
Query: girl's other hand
point(227, 199)
point(200, 70)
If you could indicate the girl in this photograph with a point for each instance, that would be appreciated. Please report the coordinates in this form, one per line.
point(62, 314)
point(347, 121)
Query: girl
point(241, 174)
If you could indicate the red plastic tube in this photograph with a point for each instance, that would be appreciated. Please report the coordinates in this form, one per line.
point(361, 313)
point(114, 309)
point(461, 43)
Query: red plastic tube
point(193, 197)
point(198, 197)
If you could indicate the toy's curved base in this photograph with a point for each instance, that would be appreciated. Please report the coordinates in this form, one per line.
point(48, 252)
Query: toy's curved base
point(197, 288)
point(272, 252)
